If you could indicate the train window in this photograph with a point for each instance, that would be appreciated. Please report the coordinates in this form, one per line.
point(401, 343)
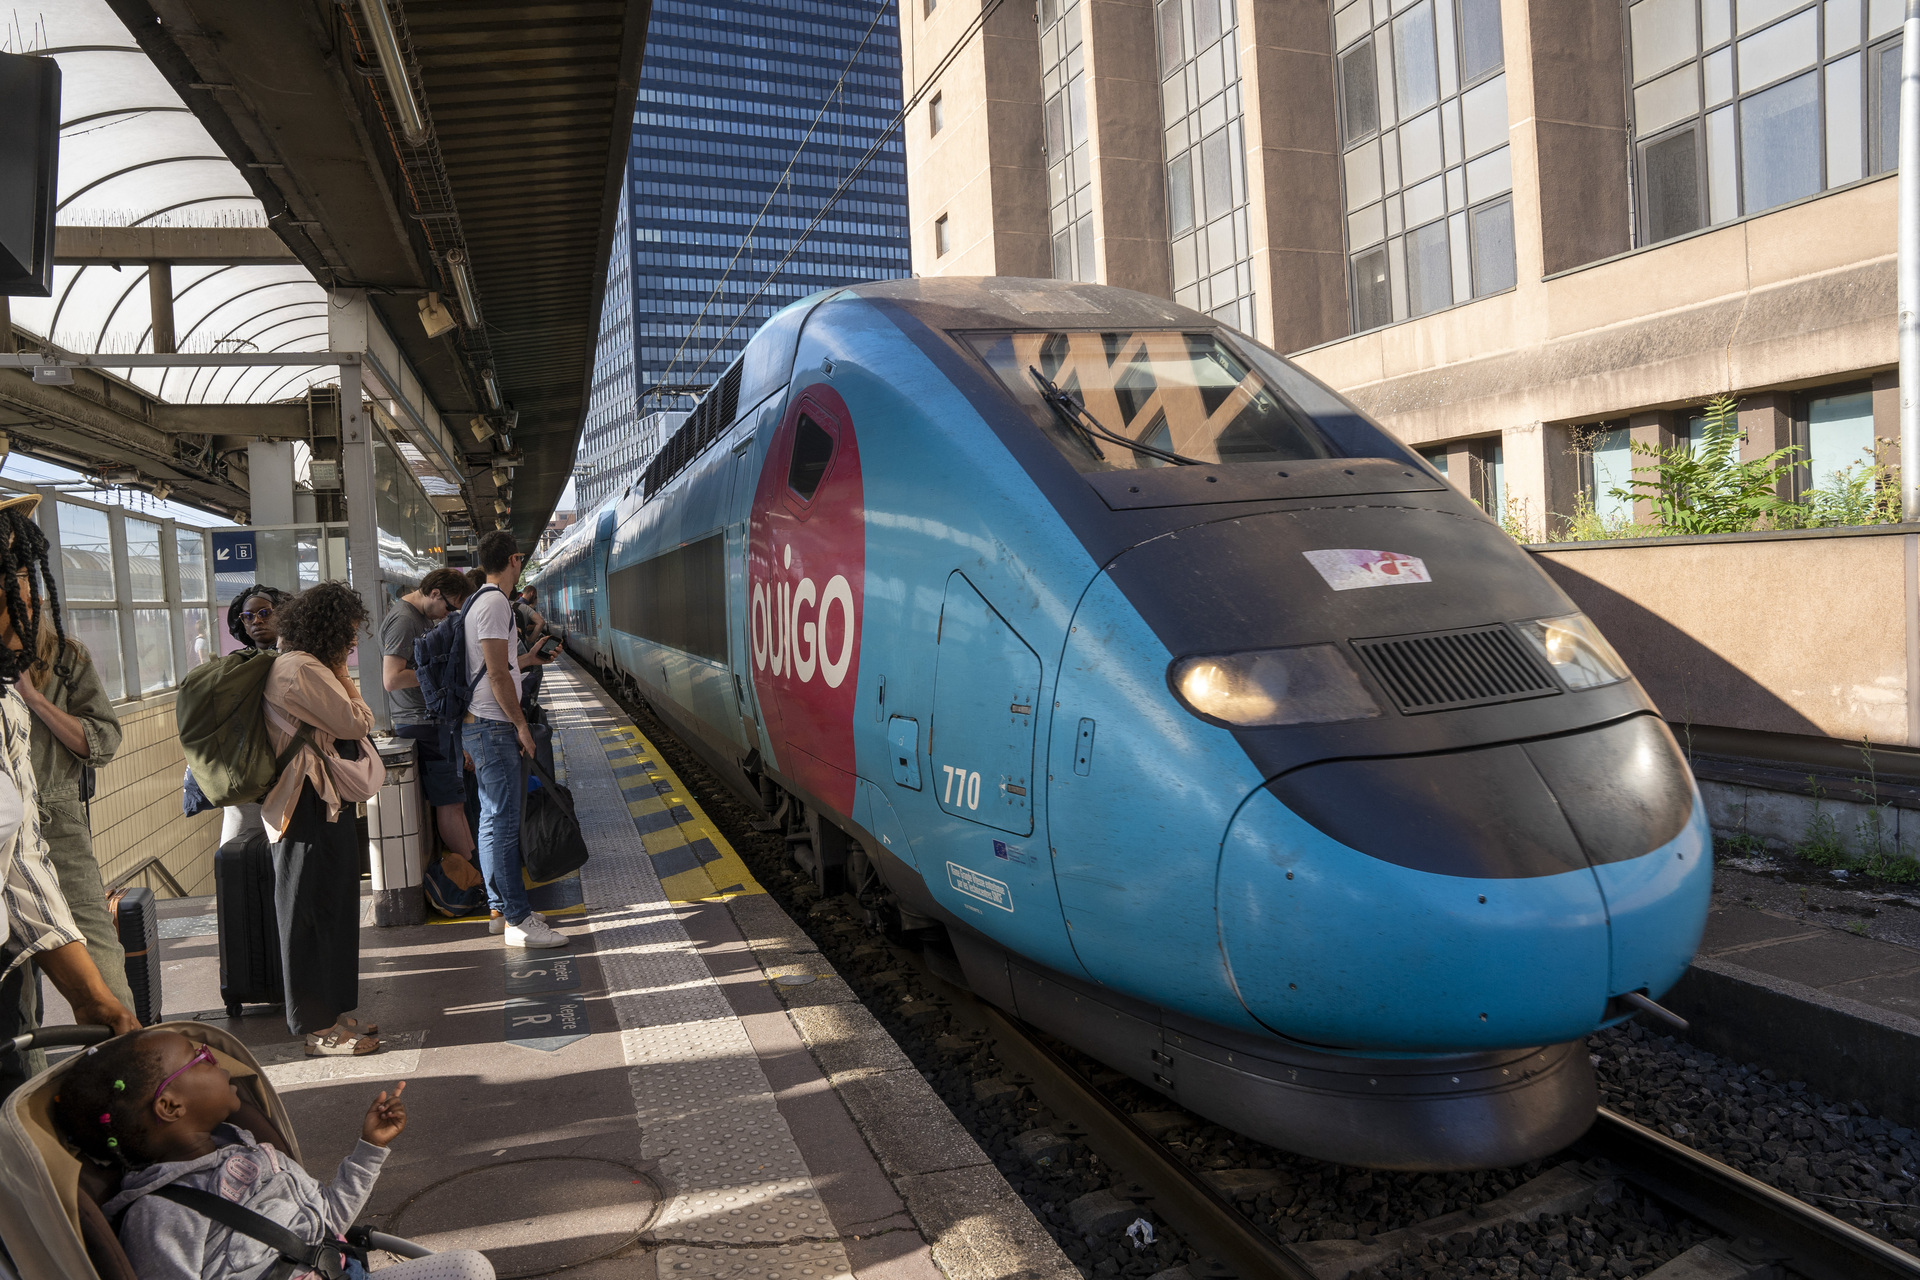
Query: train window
point(812, 451)
point(1165, 398)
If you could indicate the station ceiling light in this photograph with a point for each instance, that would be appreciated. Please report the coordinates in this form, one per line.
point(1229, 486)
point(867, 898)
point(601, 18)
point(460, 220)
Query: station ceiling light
point(386, 47)
point(463, 285)
point(493, 387)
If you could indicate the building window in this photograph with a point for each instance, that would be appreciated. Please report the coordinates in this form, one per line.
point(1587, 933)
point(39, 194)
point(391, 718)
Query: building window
point(1426, 169)
point(1064, 120)
point(1200, 111)
point(942, 238)
point(936, 117)
point(1737, 110)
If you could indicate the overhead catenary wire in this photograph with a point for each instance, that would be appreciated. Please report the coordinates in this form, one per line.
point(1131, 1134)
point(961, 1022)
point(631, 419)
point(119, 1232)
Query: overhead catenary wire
point(747, 239)
point(879, 142)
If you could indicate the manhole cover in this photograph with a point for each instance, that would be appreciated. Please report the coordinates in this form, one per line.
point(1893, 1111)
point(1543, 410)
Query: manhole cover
point(533, 1216)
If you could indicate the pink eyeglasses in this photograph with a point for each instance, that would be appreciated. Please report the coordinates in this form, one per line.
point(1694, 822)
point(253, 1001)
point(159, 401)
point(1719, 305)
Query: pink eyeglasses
point(204, 1055)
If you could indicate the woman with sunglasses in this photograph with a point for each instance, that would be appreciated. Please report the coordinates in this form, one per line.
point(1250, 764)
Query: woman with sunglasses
point(253, 620)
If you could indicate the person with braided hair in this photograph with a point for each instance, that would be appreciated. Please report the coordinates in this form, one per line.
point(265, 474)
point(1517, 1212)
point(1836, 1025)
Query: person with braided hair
point(75, 734)
point(160, 1107)
point(37, 926)
point(254, 620)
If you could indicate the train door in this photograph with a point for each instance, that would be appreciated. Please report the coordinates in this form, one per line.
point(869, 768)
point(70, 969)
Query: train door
point(750, 446)
point(596, 572)
point(806, 570)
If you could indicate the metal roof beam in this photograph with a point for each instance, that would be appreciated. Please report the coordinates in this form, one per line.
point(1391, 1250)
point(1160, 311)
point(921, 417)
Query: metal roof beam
point(185, 246)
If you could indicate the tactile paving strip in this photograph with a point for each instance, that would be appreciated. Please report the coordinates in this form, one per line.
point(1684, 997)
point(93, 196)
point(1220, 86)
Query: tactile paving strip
point(742, 1199)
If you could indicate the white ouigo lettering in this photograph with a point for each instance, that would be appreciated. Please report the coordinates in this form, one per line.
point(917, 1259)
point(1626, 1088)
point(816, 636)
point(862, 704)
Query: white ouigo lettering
point(803, 664)
point(788, 625)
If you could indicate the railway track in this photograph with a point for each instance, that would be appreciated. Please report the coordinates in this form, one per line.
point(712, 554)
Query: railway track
point(1759, 1232)
point(1764, 1233)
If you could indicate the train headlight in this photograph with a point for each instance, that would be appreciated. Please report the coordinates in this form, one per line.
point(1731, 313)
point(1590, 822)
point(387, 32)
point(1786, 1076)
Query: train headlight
point(1576, 651)
point(1313, 684)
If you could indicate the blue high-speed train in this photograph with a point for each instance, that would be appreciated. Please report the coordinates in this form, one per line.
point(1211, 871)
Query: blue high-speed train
point(1223, 739)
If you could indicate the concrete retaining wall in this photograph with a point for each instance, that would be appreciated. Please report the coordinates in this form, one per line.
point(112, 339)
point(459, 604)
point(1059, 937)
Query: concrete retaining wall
point(1805, 634)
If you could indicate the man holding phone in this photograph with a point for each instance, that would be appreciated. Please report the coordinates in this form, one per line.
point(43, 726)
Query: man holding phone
point(533, 647)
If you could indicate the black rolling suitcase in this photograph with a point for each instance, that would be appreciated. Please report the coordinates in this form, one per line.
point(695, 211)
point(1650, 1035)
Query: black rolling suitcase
point(136, 919)
point(249, 929)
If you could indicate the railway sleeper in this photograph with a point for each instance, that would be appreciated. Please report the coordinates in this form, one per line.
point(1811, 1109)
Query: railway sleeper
point(1721, 1260)
point(1566, 1188)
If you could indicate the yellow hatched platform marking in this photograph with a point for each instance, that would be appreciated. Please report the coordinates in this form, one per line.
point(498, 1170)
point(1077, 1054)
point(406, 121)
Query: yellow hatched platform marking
point(727, 877)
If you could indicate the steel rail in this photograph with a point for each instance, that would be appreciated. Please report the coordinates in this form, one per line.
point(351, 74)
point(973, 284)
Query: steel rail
point(1817, 1245)
point(1204, 1218)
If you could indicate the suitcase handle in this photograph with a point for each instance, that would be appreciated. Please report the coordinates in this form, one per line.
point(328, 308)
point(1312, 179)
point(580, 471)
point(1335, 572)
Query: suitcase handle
point(56, 1037)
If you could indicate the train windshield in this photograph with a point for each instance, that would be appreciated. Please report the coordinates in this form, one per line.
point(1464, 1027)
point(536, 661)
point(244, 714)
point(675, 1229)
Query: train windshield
point(1119, 401)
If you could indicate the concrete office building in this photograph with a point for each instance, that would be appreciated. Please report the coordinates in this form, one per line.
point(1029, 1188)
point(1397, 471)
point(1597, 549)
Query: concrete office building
point(1520, 232)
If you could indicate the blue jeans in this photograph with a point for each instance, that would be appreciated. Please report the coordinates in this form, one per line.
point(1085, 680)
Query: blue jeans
point(495, 749)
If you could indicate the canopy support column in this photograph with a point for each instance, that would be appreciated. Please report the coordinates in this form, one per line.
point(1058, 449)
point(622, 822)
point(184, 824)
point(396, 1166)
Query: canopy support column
point(363, 535)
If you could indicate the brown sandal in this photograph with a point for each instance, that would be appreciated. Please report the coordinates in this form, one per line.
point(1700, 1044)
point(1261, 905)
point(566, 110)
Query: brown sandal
point(352, 1027)
point(333, 1044)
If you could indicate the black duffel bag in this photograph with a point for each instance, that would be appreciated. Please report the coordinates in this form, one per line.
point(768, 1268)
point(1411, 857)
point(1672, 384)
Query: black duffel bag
point(551, 845)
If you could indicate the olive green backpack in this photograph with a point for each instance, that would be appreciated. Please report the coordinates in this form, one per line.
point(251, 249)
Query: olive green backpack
point(221, 714)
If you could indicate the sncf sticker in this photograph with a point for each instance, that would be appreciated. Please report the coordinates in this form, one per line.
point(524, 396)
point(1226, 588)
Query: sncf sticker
point(988, 890)
point(1348, 569)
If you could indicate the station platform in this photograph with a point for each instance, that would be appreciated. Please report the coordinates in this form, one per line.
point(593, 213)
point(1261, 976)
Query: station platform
point(687, 1090)
point(1818, 982)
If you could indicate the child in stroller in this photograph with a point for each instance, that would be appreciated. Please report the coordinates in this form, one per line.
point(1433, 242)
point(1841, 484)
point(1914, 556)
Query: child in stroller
point(157, 1105)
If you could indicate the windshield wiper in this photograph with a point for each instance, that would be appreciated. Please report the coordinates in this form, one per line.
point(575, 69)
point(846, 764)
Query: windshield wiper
point(1075, 415)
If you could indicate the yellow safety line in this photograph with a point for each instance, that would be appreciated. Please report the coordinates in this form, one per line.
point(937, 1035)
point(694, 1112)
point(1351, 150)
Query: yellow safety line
point(716, 881)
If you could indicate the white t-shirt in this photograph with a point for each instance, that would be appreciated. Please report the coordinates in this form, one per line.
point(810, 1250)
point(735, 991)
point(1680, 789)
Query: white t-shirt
point(491, 618)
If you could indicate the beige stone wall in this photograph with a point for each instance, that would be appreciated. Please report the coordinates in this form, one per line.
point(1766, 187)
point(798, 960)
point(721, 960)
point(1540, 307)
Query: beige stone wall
point(983, 171)
point(136, 813)
point(1772, 633)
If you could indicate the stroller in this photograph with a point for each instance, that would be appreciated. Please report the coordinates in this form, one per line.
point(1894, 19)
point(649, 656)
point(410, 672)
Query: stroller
point(51, 1226)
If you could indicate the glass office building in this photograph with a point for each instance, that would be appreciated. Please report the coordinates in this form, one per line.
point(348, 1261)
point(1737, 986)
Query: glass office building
point(728, 94)
point(608, 441)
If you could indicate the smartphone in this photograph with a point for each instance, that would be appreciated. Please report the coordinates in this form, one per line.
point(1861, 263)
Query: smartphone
point(548, 648)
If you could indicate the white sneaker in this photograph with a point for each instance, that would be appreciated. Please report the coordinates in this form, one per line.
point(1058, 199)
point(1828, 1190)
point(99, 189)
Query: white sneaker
point(535, 932)
point(497, 923)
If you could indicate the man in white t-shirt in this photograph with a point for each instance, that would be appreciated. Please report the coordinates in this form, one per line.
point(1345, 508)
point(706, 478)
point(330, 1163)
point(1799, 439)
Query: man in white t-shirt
point(495, 734)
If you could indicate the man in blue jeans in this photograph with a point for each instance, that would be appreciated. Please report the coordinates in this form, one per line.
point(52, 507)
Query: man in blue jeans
point(495, 734)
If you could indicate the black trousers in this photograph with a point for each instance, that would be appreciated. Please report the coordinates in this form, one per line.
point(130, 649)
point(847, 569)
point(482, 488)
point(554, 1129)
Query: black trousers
point(316, 895)
point(20, 1011)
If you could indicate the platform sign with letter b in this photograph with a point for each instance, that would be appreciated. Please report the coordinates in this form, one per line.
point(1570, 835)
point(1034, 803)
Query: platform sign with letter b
point(235, 562)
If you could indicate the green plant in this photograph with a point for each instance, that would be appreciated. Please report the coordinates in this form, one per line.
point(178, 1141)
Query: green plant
point(1864, 492)
point(1745, 845)
point(1821, 845)
point(1516, 519)
point(1858, 928)
point(1710, 489)
point(1883, 856)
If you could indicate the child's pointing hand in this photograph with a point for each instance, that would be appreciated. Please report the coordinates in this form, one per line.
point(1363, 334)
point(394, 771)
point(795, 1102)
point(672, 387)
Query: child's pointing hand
point(386, 1118)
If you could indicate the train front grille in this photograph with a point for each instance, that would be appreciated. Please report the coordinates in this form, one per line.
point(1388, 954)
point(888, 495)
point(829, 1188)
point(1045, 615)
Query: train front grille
point(1444, 670)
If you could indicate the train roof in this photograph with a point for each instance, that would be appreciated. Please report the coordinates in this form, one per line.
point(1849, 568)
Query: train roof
point(1012, 302)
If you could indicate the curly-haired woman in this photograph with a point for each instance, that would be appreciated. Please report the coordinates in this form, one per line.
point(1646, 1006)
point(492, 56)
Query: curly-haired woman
point(309, 815)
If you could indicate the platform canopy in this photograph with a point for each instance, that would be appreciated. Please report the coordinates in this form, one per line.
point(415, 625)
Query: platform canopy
point(232, 171)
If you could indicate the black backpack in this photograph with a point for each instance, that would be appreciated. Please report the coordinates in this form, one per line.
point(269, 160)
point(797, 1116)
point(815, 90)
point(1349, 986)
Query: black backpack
point(440, 660)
